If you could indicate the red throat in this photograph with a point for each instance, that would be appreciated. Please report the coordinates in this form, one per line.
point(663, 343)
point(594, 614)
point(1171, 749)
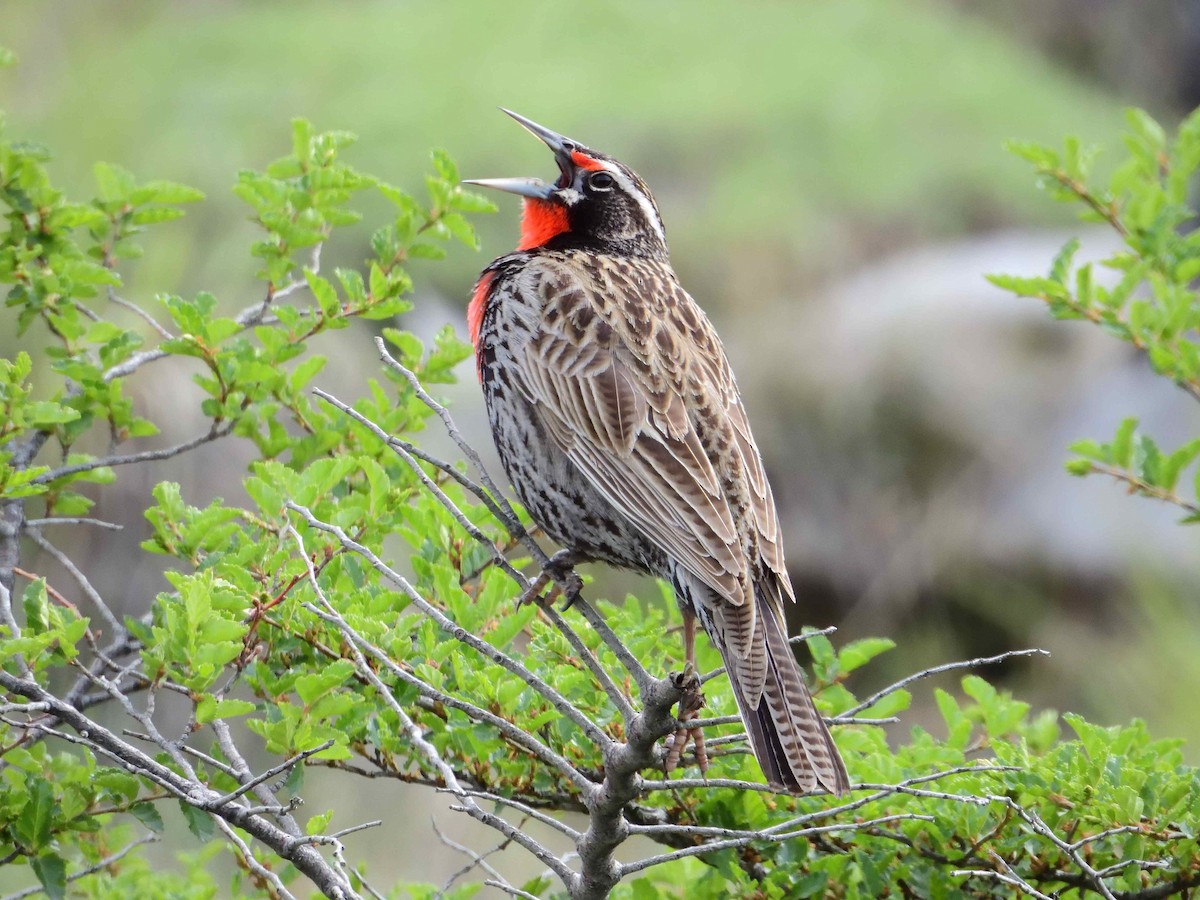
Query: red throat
point(475, 310)
point(542, 220)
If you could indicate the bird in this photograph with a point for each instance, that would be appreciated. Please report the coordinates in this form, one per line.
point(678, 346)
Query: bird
point(620, 426)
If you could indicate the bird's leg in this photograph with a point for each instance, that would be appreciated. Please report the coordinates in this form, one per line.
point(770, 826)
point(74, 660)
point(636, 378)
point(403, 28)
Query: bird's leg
point(689, 704)
point(559, 569)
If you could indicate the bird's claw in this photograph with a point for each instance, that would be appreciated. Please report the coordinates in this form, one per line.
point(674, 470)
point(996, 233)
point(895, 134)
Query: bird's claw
point(533, 593)
point(560, 570)
point(571, 590)
point(690, 704)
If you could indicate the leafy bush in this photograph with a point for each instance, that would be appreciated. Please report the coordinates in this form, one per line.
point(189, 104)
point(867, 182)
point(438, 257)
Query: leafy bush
point(1153, 303)
point(286, 631)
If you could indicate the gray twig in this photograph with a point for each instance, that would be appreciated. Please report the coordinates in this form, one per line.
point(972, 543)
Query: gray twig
point(483, 648)
point(270, 773)
point(214, 433)
point(477, 860)
point(937, 670)
point(753, 837)
point(360, 645)
point(1005, 875)
point(510, 516)
point(73, 520)
point(73, 570)
point(427, 482)
point(90, 870)
point(114, 297)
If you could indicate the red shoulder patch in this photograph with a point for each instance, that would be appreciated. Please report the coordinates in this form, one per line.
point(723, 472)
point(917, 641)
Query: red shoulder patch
point(475, 310)
point(541, 221)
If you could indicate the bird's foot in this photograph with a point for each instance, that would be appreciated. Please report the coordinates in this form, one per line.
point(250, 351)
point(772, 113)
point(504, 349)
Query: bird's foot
point(690, 704)
point(533, 593)
point(560, 571)
point(569, 588)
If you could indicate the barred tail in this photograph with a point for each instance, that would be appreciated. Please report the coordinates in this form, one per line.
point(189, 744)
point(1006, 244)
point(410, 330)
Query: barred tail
point(789, 738)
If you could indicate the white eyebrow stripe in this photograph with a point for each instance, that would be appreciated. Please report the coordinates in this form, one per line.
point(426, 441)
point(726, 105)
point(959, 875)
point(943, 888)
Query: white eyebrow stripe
point(634, 191)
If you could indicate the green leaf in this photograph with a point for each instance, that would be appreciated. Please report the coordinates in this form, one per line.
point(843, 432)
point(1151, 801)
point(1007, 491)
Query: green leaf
point(377, 283)
point(302, 140)
point(45, 413)
point(323, 292)
point(114, 183)
point(890, 705)
point(51, 871)
point(861, 652)
point(1039, 155)
point(445, 166)
point(1145, 127)
point(425, 250)
point(36, 816)
point(312, 687)
point(1122, 446)
point(210, 708)
point(36, 604)
point(148, 815)
point(1078, 467)
point(1171, 467)
point(305, 371)
point(318, 824)
point(1146, 459)
point(471, 202)
point(199, 822)
point(165, 192)
point(1061, 267)
point(461, 229)
point(155, 215)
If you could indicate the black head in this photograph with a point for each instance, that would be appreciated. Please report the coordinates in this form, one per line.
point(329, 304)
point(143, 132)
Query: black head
point(596, 202)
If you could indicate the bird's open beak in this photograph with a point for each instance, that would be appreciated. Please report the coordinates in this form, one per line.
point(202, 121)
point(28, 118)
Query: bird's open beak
point(563, 147)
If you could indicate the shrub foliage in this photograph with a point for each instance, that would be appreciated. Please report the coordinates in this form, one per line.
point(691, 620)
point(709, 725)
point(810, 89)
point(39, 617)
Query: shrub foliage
point(356, 618)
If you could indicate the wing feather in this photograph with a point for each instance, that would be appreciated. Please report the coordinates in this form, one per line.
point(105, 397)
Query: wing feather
point(636, 390)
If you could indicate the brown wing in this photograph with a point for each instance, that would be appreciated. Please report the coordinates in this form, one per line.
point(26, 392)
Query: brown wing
point(634, 386)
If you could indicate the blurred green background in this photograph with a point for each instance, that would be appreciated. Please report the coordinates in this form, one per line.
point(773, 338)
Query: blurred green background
point(834, 185)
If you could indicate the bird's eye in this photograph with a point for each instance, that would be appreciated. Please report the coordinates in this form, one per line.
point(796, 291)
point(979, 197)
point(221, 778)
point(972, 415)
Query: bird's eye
point(600, 181)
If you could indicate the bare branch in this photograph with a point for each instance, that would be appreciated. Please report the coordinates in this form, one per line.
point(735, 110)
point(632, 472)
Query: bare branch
point(557, 700)
point(510, 518)
point(753, 837)
point(550, 821)
point(937, 670)
point(589, 659)
point(641, 677)
point(252, 864)
point(1034, 821)
point(9, 621)
point(114, 624)
point(90, 870)
point(337, 835)
point(1144, 487)
point(270, 773)
point(254, 314)
point(431, 754)
point(360, 645)
point(98, 739)
point(429, 484)
point(73, 520)
point(477, 860)
point(214, 433)
point(114, 297)
point(510, 890)
point(1005, 876)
